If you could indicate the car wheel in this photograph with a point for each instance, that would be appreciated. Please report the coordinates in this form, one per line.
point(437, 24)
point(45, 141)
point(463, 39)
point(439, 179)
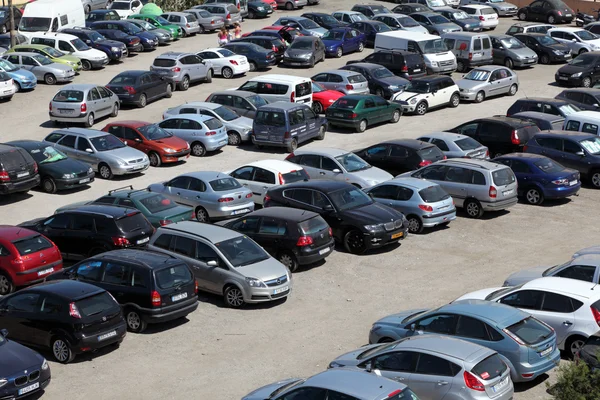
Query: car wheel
point(184, 84)
point(455, 100)
point(321, 134)
point(86, 65)
point(253, 66)
point(198, 149)
point(209, 76)
point(339, 52)
point(251, 14)
point(289, 260)
point(135, 323)
point(169, 91)
point(551, 19)
point(479, 97)
point(202, 30)
point(354, 242)
point(143, 100)
point(595, 179)
point(395, 116)
point(317, 107)
point(105, 171)
point(16, 86)
point(414, 224)
point(312, 62)
point(227, 73)
point(460, 66)
point(534, 196)
point(289, 6)
point(233, 296)
point(421, 108)
point(48, 185)
point(202, 215)
point(155, 160)
point(362, 126)
point(523, 16)
point(89, 122)
point(6, 285)
point(545, 59)
point(233, 138)
point(115, 110)
point(508, 62)
point(50, 79)
point(379, 92)
point(586, 82)
point(292, 146)
point(3, 29)
point(574, 344)
point(473, 209)
point(514, 88)
point(361, 47)
point(61, 350)
point(582, 51)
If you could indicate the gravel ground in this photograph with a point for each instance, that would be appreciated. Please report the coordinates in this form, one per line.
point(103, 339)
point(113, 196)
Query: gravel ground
point(221, 353)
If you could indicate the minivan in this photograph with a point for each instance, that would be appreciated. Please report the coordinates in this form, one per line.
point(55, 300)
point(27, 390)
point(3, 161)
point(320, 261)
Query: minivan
point(18, 170)
point(50, 16)
point(273, 87)
point(470, 49)
point(583, 121)
point(285, 124)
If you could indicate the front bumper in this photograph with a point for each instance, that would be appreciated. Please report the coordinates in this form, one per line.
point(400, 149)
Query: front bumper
point(499, 205)
point(296, 62)
point(12, 392)
point(99, 63)
point(442, 69)
point(432, 220)
point(85, 343)
point(23, 186)
point(380, 239)
point(130, 169)
point(469, 96)
point(116, 55)
point(262, 295)
point(307, 255)
point(175, 157)
point(27, 85)
point(526, 62)
point(135, 48)
point(64, 184)
point(226, 212)
point(171, 313)
point(64, 78)
point(165, 39)
point(560, 58)
point(568, 80)
point(147, 45)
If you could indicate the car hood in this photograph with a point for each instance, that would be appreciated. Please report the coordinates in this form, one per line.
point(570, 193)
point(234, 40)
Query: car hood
point(319, 31)
point(478, 294)
point(406, 96)
point(22, 74)
point(467, 21)
point(331, 42)
point(147, 35)
point(350, 359)
point(94, 54)
point(16, 357)
point(393, 80)
point(558, 46)
point(371, 214)
point(66, 166)
point(265, 391)
point(395, 319)
point(297, 52)
point(525, 275)
point(172, 142)
point(373, 175)
point(111, 43)
point(572, 69)
point(124, 153)
point(58, 66)
point(446, 25)
point(242, 122)
point(469, 84)
point(263, 270)
point(419, 28)
point(161, 32)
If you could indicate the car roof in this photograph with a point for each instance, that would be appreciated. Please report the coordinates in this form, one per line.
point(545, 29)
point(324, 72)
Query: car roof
point(433, 78)
point(33, 46)
point(364, 65)
point(539, 115)
point(532, 34)
point(135, 72)
point(89, 133)
point(213, 233)
point(592, 91)
point(567, 29)
point(148, 258)
point(531, 156)
point(282, 105)
point(514, 122)
point(445, 135)
point(194, 117)
point(25, 53)
point(67, 289)
point(570, 287)
point(426, 13)
point(586, 114)
point(528, 24)
point(203, 104)
point(27, 144)
point(285, 213)
point(174, 54)
point(78, 86)
point(341, 72)
point(359, 384)
point(488, 310)
point(414, 183)
point(489, 68)
point(572, 134)
point(410, 143)
point(12, 233)
point(322, 151)
point(473, 162)
point(130, 123)
point(241, 93)
point(325, 185)
point(100, 209)
point(477, 6)
point(277, 165)
point(450, 346)
point(278, 77)
point(206, 175)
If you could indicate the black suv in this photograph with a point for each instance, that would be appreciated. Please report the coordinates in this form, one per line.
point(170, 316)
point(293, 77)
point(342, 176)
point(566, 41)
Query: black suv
point(93, 229)
point(356, 220)
point(295, 237)
point(67, 317)
point(18, 170)
point(151, 287)
point(500, 134)
point(546, 105)
point(405, 64)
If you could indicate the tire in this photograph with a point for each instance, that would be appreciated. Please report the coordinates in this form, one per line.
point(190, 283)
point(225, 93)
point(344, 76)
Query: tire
point(354, 242)
point(454, 100)
point(253, 66)
point(312, 63)
point(86, 65)
point(169, 91)
point(6, 284)
point(395, 116)
point(339, 52)
point(361, 47)
point(233, 138)
point(595, 179)
point(473, 209)
point(155, 160)
point(415, 225)
point(233, 297)
point(209, 76)
point(289, 260)
point(227, 73)
point(115, 111)
point(460, 66)
point(202, 215)
point(105, 171)
point(522, 16)
point(479, 97)
point(574, 343)
point(362, 126)
point(251, 14)
point(289, 6)
point(135, 322)
point(61, 350)
point(202, 30)
point(421, 108)
point(321, 134)
point(184, 84)
point(16, 86)
point(48, 185)
point(317, 107)
point(514, 88)
point(508, 63)
point(50, 79)
point(544, 59)
point(534, 196)
point(379, 92)
point(292, 146)
point(142, 101)
point(586, 82)
point(89, 121)
point(551, 19)
point(198, 149)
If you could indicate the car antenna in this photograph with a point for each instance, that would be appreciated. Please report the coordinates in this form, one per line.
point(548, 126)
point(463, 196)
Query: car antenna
point(594, 287)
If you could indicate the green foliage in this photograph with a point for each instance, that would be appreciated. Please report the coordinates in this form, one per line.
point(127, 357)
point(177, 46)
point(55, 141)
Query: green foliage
point(575, 381)
point(177, 5)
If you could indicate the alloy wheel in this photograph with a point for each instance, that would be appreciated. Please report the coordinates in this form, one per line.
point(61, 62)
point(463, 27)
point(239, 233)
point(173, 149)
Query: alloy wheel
point(596, 179)
point(533, 196)
point(60, 350)
point(5, 285)
point(355, 242)
point(201, 215)
point(234, 297)
point(133, 320)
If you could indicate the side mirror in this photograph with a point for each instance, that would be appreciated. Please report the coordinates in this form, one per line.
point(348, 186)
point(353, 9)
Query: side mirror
point(88, 41)
point(573, 40)
point(4, 332)
point(369, 366)
point(336, 171)
point(212, 263)
point(370, 195)
point(125, 142)
point(412, 327)
point(138, 140)
point(88, 150)
point(580, 153)
point(328, 208)
point(596, 105)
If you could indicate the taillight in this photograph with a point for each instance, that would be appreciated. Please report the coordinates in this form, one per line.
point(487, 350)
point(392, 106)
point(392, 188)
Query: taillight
point(129, 89)
point(35, 167)
point(120, 241)
point(349, 87)
point(212, 21)
point(493, 192)
point(481, 18)
point(445, 158)
point(195, 286)
point(289, 156)
point(487, 152)
point(210, 133)
point(275, 48)
point(73, 311)
point(83, 107)
point(330, 232)
point(228, 16)
point(404, 68)
point(394, 393)
point(267, 198)
point(425, 207)
point(281, 180)
point(155, 299)
point(176, 69)
point(472, 382)
point(470, 56)
point(424, 163)
point(293, 97)
point(524, 150)
point(353, 115)
point(187, 25)
point(225, 199)
point(559, 13)
point(514, 138)
point(238, 6)
point(233, 62)
point(287, 135)
point(596, 315)
point(561, 182)
point(164, 222)
point(4, 176)
point(249, 195)
point(304, 241)
point(50, 106)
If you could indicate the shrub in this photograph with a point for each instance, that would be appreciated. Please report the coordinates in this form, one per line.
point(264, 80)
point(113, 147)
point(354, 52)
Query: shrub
point(575, 381)
point(176, 5)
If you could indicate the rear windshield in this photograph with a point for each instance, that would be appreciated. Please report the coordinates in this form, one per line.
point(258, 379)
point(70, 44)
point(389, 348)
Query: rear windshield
point(468, 144)
point(232, 9)
point(69, 96)
point(173, 276)
point(12, 160)
point(356, 79)
point(530, 330)
point(220, 185)
point(348, 104)
point(134, 222)
point(157, 203)
point(490, 368)
point(432, 153)
point(527, 132)
point(549, 166)
point(123, 80)
point(32, 244)
point(303, 89)
point(270, 118)
point(97, 304)
point(503, 177)
point(488, 11)
point(313, 225)
point(164, 62)
point(433, 194)
point(295, 176)
point(213, 123)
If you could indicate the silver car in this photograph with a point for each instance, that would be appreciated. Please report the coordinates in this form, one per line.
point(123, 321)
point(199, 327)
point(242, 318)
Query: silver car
point(186, 21)
point(183, 68)
point(400, 21)
point(213, 195)
point(89, 5)
point(44, 69)
point(83, 103)
point(107, 155)
point(225, 262)
point(304, 25)
point(455, 145)
point(202, 132)
point(502, 8)
point(338, 164)
point(587, 250)
point(436, 367)
point(242, 102)
point(347, 82)
point(511, 52)
point(228, 12)
point(424, 204)
point(206, 21)
point(238, 128)
point(487, 81)
point(291, 4)
point(584, 267)
point(164, 36)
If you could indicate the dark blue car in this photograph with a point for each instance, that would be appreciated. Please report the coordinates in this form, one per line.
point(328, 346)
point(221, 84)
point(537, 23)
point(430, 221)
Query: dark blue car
point(147, 39)
point(258, 57)
point(339, 41)
point(115, 50)
point(22, 370)
point(101, 15)
point(382, 82)
point(541, 178)
point(370, 29)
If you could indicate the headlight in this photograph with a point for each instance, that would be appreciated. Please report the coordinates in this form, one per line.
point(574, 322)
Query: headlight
point(114, 49)
point(260, 8)
point(167, 150)
point(445, 30)
point(557, 52)
point(3, 382)
point(187, 145)
point(68, 176)
point(331, 101)
point(90, 170)
point(393, 87)
point(253, 282)
point(335, 364)
point(434, 63)
point(121, 162)
point(577, 75)
point(413, 101)
point(374, 228)
point(467, 26)
point(45, 365)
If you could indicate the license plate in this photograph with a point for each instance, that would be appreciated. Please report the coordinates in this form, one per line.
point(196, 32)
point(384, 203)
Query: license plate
point(417, 70)
point(338, 115)
point(573, 183)
point(530, 61)
point(142, 241)
point(500, 385)
point(294, 63)
point(508, 192)
point(324, 251)
point(281, 290)
point(181, 159)
point(86, 180)
point(179, 296)
point(243, 211)
point(45, 271)
point(107, 336)
point(29, 388)
point(397, 235)
point(563, 78)
point(269, 12)
point(65, 111)
point(568, 15)
point(546, 352)
point(22, 174)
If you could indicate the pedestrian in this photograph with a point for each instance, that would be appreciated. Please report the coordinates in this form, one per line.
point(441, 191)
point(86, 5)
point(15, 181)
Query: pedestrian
point(237, 32)
point(222, 37)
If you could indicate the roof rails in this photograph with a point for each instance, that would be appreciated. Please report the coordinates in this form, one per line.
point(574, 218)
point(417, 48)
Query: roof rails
point(466, 162)
point(130, 187)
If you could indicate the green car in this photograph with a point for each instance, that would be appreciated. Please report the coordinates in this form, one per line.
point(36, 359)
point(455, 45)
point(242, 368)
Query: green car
point(159, 22)
point(158, 209)
point(360, 111)
point(51, 53)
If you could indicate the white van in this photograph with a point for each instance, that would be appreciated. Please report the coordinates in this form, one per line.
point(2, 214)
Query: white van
point(583, 121)
point(432, 47)
point(51, 16)
point(273, 87)
point(471, 49)
point(70, 44)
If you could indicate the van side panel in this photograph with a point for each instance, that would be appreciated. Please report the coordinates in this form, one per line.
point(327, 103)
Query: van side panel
point(68, 13)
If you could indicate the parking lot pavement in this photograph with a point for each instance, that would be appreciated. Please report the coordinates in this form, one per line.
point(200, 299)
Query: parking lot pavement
point(221, 353)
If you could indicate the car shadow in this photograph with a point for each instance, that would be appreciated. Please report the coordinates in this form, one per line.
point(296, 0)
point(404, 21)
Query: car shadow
point(381, 250)
point(217, 301)
point(308, 267)
point(66, 192)
point(84, 357)
point(163, 326)
point(524, 386)
point(486, 215)
point(548, 203)
point(264, 150)
point(433, 229)
point(13, 198)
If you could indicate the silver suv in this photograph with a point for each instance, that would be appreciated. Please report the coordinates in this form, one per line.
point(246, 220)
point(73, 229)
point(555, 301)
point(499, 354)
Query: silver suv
point(475, 185)
point(183, 68)
point(225, 262)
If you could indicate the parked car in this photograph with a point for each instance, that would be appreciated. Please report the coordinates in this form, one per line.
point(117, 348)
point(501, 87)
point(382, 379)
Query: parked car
point(544, 121)
point(502, 8)
point(44, 69)
point(83, 103)
point(349, 16)
point(183, 68)
point(550, 11)
point(49, 52)
point(583, 267)
point(342, 40)
point(259, 9)
point(346, 82)
point(5, 40)
point(244, 103)
point(206, 21)
point(114, 50)
point(282, 88)
point(588, 353)
point(86, 318)
point(325, 20)
point(161, 23)
point(511, 52)
point(428, 92)
point(370, 10)
point(435, 23)
point(132, 42)
point(228, 12)
point(101, 15)
point(528, 27)
point(580, 71)
point(370, 29)
point(454, 145)
point(21, 78)
point(258, 57)
point(18, 170)
point(409, 8)
point(486, 14)
point(7, 86)
point(323, 98)
point(382, 82)
point(305, 26)
point(400, 22)
point(468, 23)
point(579, 40)
point(304, 51)
point(487, 81)
point(225, 62)
point(270, 41)
point(360, 111)
point(546, 105)
point(164, 35)
point(583, 121)
point(71, 45)
point(549, 50)
point(284, 34)
point(405, 64)
point(126, 8)
point(203, 133)
point(140, 87)
point(5, 22)
point(186, 21)
point(584, 98)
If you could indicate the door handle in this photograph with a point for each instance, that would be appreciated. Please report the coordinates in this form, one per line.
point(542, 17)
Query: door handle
point(567, 323)
point(321, 173)
point(399, 378)
point(265, 187)
point(244, 184)
point(178, 194)
point(462, 189)
point(442, 383)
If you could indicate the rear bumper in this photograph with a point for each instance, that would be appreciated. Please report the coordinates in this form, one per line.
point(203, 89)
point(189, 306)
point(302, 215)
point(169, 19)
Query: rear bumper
point(545, 365)
point(430, 221)
point(343, 122)
point(37, 274)
point(80, 118)
point(266, 63)
point(214, 27)
point(84, 343)
point(562, 192)
point(313, 255)
point(192, 30)
point(23, 186)
point(234, 211)
point(499, 205)
point(159, 316)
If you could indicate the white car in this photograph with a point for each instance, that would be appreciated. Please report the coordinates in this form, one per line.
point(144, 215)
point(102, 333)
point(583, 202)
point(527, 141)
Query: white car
point(260, 176)
point(225, 62)
point(429, 92)
point(125, 8)
point(486, 14)
point(579, 40)
point(7, 87)
point(571, 307)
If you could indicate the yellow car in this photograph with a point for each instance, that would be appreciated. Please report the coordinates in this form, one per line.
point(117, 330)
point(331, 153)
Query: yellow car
point(51, 53)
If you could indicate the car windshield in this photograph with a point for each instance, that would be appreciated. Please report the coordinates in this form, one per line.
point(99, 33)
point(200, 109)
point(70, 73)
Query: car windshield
point(352, 163)
point(47, 155)
point(546, 40)
point(32, 244)
point(301, 45)
point(380, 27)
point(583, 60)
point(433, 46)
point(106, 143)
point(478, 75)
point(348, 198)
point(468, 144)
point(568, 109)
point(382, 73)
point(53, 52)
point(35, 24)
point(407, 22)
point(333, 35)
point(69, 96)
point(358, 17)
point(42, 59)
point(153, 132)
point(417, 86)
point(79, 44)
point(144, 24)
point(241, 251)
point(328, 19)
point(438, 19)
point(204, 14)
point(256, 101)
point(171, 277)
point(591, 145)
point(120, 5)
point(549, 166)
point(502, 291)
point(133, 29)
point(95, 36)
point(226, 52)
point(377, 349)
point(226, 114)
point(586, 35)
point(7, 66)
point(512, 43)
point(161, 20)
point(308, 24)
point(224, 184)
point(157, 203)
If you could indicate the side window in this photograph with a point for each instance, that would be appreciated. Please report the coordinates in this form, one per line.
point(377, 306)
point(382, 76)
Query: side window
point(129, 134)
point(432, 365)
point(580, 272)
point(117, 131)
point(264, 176)
point(246, 224)
point(64, 46)
point(380, 102)
point(94, 94)
point(163, 241)
point(15, 60)
point(83, 144)
point(116, 274)
point(571, 147)
point(297, 117)
point(527, 299)
point(185, 246)
point(59, 221)
point(477, 44)
point(68, 141)
point(51, 306)
point(309, 114)
point(189, 110)
point(181, 182)
point(436, 173)
point(404, 194)
point(83, 223)
point(302, 196)
point(398, 151)
point(197, 185)
point(139, 279)
point(590, 128)
point(557, 303)
point(26, 302)
point(388, 192)
point(126, 203)
point(4, 251)
point(441, 144)
point(486, 43)
point(401, 361)
point(205, 253)
point(271, 226)
point(309, 160)
point(520, 166)
point(450, 43)
point(90, 270)
point(478, 178)
point(550, 143)
point(440, 323)
point(471, 328)
point(244, 173)
point(458, 175)
point(379, 150)
point(64, 20)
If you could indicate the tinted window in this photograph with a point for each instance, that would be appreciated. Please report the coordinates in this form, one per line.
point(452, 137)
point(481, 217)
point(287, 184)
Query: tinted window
point(116, 274)
point(557, 303)
point(83, 223)
point(270, 118)
point(503, 177)
point(444, 323)
point(432, 365)
point(219, 185)
point(433, 194)
point(396, 361)
point(530, 330)
point(50, 305)
point(25, 302)
point(163, 241)
point(89, 270)
point(490, 368)
point(173, 276)
point(32, 244)
point(389, 192)
point(97, 304)
point(580, 272)
point(164, 62)
point(271, 226)
point(528, 299)
point(313, 225)
point(134, 222)
point(471, 328)
point(295, 176)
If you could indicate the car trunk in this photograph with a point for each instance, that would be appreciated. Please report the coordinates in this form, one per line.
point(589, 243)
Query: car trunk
point(164, 66)
point(358, 83)
point(505, 183)
point(135, 228)
point(437, 199)
point(537, 337)
point(36, 252)
point(174, 284)
point(99, 313)
point(18, 165)
point(495, 375)
point(317, 229)
point(432, 154)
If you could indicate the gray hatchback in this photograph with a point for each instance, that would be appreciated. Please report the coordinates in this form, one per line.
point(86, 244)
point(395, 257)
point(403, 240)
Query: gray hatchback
point(183, 68)
point(511, 52)
point(83, 103)
point(186, 21)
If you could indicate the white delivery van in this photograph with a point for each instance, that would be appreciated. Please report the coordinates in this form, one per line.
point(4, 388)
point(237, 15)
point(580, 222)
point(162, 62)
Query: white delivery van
point(51, 16)
point(432, 47)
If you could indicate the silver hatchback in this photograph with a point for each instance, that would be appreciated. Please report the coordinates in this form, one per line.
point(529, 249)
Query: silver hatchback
point(347, 82)
point(186, 21)
point(228, 12)
point(183, 68)
point(44, 69)
point(455, 145)
point(83, 103)
point(202, 132)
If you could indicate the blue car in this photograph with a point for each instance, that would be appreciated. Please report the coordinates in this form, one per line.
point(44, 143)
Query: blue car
point(541, 178)
point(22, 370)
point(370, 29)
point(23, 79)
point(114, 50)
point(148, 40)
point(339, 41)
point(258, 57)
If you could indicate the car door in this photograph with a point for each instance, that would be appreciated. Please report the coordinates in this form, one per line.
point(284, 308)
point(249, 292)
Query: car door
point(116, 279)
point(261, 182)
point(499, 53)
point(213, 276)
point(18, 316)
point(244, 176)
point(398, 160)
point(133, 139)
point(505, 79)
point(85, 152)
point(395, 365)
point(442, 324)
point(312, 127)
point(176, 189)
point(271, 234)
point(388, 195)
point(573, 155)
point(432, 377)
point(298, 126)
point(48, 315)
point(377, 155)
point(521, 171)
point(94, 103)
point(196, 194)
point(536, 10)
point(29, 64)
point(147, 86)
point(67, 145)
point(495, 136)
point(456, 183)
point(348, 43)
point(382, 109)
point(81, 235)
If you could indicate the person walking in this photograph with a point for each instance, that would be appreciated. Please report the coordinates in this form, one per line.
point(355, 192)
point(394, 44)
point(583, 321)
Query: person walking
point(237, 32)
point(223, 37)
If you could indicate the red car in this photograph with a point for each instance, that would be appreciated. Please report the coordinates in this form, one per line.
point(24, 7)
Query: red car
point(26, 257)
point(272, 3)
point(160, 145)
point(323, 98)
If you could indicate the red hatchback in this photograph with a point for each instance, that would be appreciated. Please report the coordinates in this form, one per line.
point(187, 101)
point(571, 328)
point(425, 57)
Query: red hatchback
point(323, 98)
point(26, 257)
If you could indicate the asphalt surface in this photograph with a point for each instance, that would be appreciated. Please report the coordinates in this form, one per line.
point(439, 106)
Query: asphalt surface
point(219, 353)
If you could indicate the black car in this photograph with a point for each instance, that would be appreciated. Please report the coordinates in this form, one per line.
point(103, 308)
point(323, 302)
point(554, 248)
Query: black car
point(370, 10)
point(101, 15)
point(266, 42)
point(594, 27)
point(88, 230)
point(141, 87)
point(500, 134)
point(258, 57)
point(548, 49)
point(259, 9)
point(409, 8)
point(295, 237)
point(114, 50)
point(590, 352)
point(575, 150)
point(546, 105)
point(357, 221)
point(24, 371)
point(325, 20)
point(151, 287)
point(544, 121)
point(584, 71)
point(468, 23)
point(132, 43)
point(405, 64)
point(57, 171)
point(18, 170)
point(5, 18)
point(66, 317)
point(584, 98)
point(6, 43)
point(370, 29)
point(401, 155)
point(382, 82)
point(148, 40)
point(550, 11)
